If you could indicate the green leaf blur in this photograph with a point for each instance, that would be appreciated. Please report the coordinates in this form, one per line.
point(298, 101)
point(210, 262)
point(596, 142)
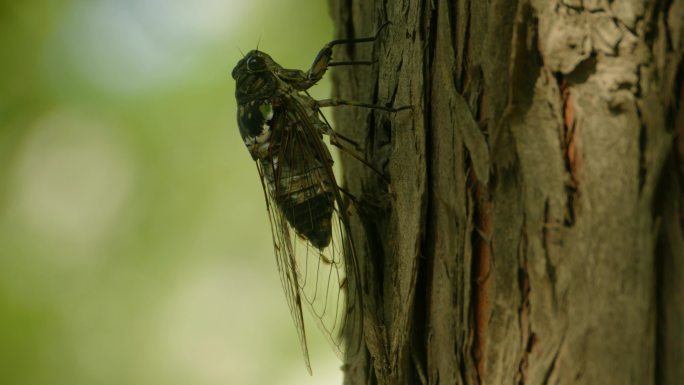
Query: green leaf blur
point(134, 242)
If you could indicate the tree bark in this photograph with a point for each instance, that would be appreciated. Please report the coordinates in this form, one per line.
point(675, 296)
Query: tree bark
point(532, 231)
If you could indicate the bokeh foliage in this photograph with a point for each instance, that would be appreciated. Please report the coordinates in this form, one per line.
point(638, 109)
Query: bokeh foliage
point(134, 242)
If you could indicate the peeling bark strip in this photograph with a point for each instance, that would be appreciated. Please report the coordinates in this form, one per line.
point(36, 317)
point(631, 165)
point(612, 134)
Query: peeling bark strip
point(533, 231)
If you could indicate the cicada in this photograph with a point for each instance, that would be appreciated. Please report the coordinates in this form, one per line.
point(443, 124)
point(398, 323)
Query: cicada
point(283, 129)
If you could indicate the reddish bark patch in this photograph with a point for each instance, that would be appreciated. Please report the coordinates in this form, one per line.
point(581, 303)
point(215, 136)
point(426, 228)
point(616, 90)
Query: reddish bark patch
point(570, 143)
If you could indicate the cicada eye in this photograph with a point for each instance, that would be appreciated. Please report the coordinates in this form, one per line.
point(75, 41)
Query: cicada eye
point(255, 63)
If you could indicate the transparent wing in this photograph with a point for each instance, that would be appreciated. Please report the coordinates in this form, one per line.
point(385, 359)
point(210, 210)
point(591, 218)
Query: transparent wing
point(309, 223)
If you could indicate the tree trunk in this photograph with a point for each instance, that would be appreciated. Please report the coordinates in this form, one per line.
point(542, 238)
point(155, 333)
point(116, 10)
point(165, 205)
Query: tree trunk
point(532, 231)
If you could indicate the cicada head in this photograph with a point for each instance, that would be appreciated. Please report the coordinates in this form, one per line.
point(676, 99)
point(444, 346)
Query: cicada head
point(254, 77)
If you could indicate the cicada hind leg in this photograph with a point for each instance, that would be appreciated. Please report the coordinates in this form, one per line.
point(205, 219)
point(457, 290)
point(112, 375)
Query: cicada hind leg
point(336, 138)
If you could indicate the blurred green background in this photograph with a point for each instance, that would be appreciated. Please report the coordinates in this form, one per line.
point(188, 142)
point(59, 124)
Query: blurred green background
point(134, 242)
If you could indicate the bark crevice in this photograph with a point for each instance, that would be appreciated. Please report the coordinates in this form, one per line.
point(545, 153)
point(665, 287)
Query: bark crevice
point(528, 337)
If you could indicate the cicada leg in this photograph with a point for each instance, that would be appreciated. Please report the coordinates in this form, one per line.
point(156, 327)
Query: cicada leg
point(340, 102)
point(334, 136)
point(374, 206)
point(302, 81)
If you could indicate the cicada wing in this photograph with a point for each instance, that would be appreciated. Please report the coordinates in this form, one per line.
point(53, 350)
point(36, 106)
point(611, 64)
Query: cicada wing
point(285, 261)
point(310, 226)
point(340, 313)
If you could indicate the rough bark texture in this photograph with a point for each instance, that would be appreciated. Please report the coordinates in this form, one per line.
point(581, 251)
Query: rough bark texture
point(533, 228)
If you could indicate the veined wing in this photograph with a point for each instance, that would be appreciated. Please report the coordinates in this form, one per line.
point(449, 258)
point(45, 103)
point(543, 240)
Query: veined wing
point(310, 227)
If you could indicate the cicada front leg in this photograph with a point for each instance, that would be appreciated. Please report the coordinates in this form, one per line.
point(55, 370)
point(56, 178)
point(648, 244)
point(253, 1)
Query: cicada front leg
point(304, 80)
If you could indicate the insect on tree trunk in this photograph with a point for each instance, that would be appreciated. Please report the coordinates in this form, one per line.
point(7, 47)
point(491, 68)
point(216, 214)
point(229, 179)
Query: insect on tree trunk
point(532, 231)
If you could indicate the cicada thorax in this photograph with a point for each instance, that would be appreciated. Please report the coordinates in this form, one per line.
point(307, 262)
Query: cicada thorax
point(255, 87)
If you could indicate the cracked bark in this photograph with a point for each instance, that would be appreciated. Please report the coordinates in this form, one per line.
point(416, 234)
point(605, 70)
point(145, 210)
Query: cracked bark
point(533, 228)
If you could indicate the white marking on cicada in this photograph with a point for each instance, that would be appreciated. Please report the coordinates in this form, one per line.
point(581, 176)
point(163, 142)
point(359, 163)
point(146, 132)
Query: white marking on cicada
point(249, 142)
point(267, 112)
point(262, 140)
point(259, 145)
point(265, 134)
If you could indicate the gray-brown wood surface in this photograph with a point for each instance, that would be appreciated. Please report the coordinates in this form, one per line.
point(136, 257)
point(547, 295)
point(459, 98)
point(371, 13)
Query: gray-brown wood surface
point(532, 230)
